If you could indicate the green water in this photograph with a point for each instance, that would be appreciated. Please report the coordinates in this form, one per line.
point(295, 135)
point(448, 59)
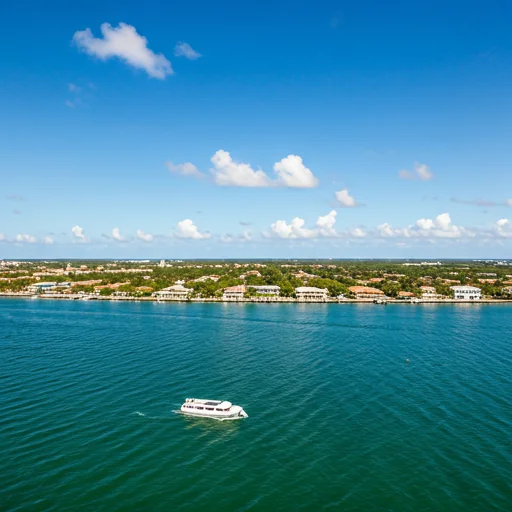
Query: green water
point(338, 420)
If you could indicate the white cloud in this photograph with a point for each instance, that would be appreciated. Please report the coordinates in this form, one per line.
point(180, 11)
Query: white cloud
point(145, 237)
point(69, 104)
point(185, 50)
point(74, 88)
point(295, 229)
point(425, 224)
point(357, 233)
point(343, 197)
point(504, 228)
point(187, 229)
point(116, 235)
point(29, 239)
point(509, 202)
point(440, 227)
point(325, 224)
point(226, 172)
point(385, 230)
point(292, 172)
point(185, 169)
point(2, 237)
point(48, 240)
point(126, 44)
point(421, 171)
point(78, 232)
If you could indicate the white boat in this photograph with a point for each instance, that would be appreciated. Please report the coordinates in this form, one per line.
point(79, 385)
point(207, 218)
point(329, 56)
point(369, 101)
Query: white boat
point(217, 409)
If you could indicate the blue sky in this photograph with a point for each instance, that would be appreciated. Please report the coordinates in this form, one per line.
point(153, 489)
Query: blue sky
point(250, 129)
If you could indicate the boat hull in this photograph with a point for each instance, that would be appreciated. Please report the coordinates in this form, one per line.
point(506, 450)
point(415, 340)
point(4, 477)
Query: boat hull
point(213, 417)
point(236, 413)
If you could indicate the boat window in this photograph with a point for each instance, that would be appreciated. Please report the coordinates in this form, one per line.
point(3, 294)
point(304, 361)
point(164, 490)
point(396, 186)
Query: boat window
point(199, 407)
point(219, 409)
point(209, 408)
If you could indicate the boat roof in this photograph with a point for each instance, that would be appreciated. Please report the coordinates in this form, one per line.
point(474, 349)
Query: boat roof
point(223, 404)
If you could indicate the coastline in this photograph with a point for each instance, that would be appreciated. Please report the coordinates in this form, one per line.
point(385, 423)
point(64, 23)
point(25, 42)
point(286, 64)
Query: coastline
point(253, 300)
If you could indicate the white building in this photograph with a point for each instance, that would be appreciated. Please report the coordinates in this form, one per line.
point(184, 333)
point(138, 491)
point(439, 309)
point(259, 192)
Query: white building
point(234, 292)
point(429, 292)
point(266, 289)
point(47, 287)
point(175, 292)
point(466, 293)
point(310, 293)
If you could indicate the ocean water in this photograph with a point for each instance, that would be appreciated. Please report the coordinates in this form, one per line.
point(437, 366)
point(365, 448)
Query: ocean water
point(338, 418)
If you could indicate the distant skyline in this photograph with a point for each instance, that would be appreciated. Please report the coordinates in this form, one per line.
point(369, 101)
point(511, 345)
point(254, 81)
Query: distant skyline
point(256, 130)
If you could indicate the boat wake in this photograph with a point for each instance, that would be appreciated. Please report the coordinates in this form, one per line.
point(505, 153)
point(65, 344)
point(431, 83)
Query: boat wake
point(141, 414)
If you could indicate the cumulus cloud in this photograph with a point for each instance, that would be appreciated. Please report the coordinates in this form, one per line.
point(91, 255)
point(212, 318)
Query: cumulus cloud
point(290, 171)
point(509, 202)
point(47, 240)
point(344, 199)
point(295, 229)
point(185, 169)
point(78, 232)
point(187, 229)
point(325, 224)
point(28, 239)
point(421, 171)
point(226, 172)
point(185, 50)
point(145, 237)
point(127, 45)
point(440, 227)
point(385, 230)
point(504, 228)
point(116, 235)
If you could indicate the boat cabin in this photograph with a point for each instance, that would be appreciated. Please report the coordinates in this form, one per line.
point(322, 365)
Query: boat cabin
point(208, 405)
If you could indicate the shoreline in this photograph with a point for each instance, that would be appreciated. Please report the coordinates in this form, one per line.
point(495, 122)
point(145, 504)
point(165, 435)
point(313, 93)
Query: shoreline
point(266, 300)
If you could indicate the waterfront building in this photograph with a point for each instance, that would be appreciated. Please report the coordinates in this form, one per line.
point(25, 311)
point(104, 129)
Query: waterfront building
point(406, 295)
point(175, 292)
point(429, 292)
point(45, 287)
point(466, 293)
point(311, 294)
point(366, 292)
point(266, 289)
point(234, 292)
